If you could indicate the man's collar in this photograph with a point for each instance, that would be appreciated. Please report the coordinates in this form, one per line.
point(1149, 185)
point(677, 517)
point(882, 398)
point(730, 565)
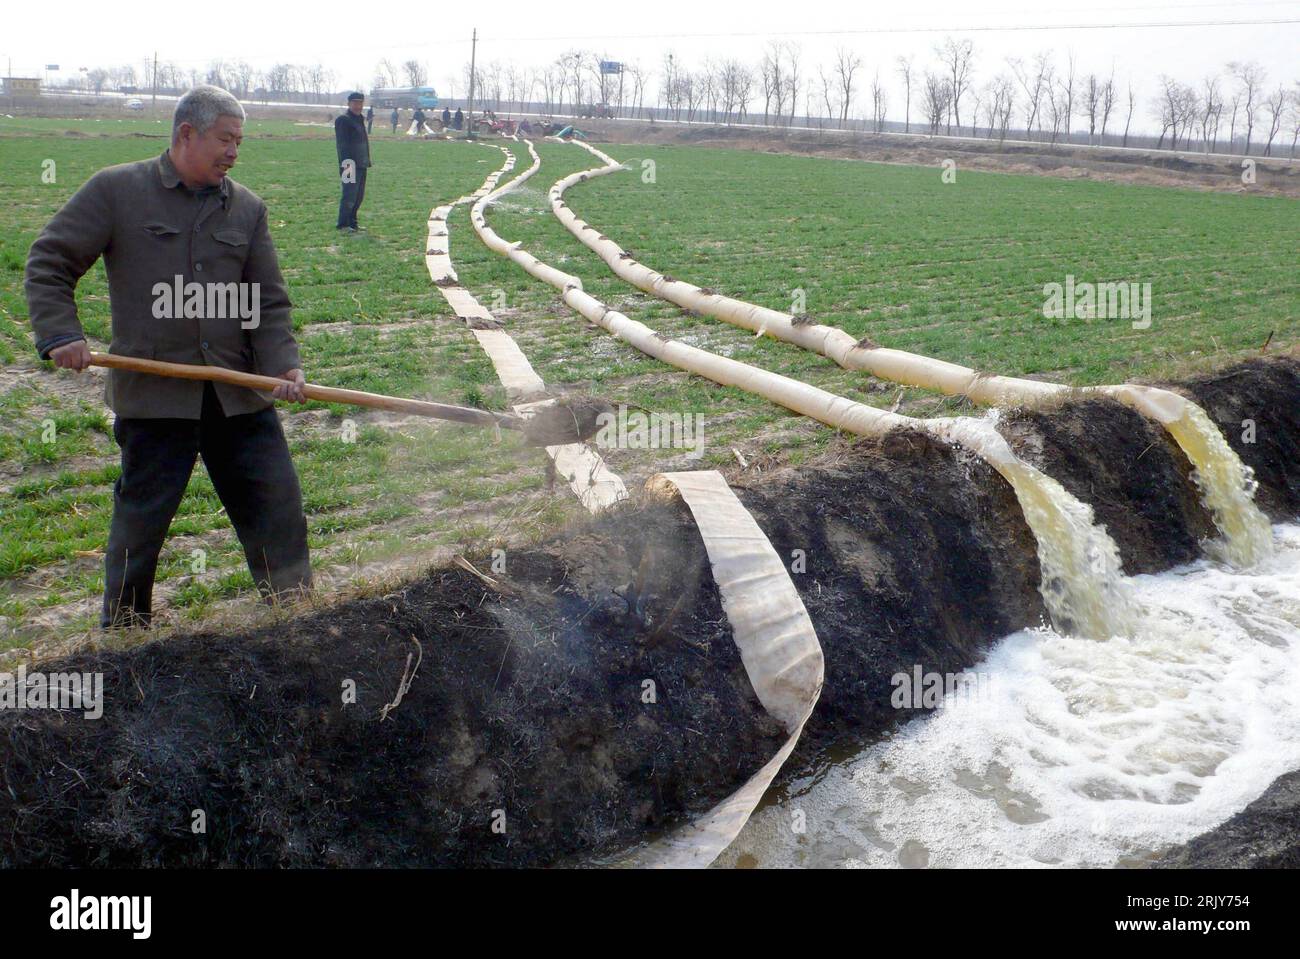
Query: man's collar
point(171, 177)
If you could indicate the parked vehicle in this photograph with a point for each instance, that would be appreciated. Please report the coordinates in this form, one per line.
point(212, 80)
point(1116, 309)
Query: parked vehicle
point(404, 98)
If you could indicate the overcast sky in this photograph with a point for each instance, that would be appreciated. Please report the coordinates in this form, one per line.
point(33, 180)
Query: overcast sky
point(90, 33)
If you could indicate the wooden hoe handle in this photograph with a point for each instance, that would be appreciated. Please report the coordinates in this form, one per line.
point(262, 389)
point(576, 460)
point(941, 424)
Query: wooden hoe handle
point(326, 394)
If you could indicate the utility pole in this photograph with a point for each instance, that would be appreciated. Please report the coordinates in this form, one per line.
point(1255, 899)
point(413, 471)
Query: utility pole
point(469, 115)
point(155, 80)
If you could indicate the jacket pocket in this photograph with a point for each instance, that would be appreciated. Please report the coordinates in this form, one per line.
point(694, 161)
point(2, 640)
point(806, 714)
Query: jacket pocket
point(162, 229)
point(231, 237)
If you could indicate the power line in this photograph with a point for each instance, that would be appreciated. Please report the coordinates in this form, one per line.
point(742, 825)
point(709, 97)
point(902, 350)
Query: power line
point(891, 30)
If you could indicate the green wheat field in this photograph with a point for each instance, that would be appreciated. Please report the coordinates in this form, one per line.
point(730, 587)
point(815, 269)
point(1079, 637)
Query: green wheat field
point(889, 252)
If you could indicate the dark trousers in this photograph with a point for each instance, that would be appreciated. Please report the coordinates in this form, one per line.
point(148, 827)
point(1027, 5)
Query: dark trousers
point(248, 460)
point(353, 194)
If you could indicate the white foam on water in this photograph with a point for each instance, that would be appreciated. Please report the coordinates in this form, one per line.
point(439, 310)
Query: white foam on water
point(1076, 752)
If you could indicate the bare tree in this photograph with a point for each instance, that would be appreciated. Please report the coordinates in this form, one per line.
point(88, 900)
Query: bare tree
point(1000, 98)
point(1091, 102)
point(1034, 80)
point(744, 91)
point(1058, 109)
point(937, 96)
point(1251, 77)
point(905, 72)
point(552, 80)
point(1276, 104)
point(847, 64)
point(1067, 92)
point(1132, 102)
point(1107, 103)
point(1211, 111)
point(638, 85)
point(241, 75)
point(416, 74)
point(669, 90)
point(793, 54)
point(957, 57)
point(879, 102)
point(830, 92)
point(388, 70)
point(97, 79)
point(1295, 117)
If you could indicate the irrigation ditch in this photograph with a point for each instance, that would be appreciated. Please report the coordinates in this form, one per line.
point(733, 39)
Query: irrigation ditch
point(601, 692)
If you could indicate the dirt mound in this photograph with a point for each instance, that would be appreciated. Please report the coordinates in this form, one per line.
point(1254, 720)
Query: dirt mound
point(528, 701)
point(1257, 406)
point(1127, 468)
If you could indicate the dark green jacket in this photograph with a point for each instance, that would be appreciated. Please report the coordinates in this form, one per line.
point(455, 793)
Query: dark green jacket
point(150, 229)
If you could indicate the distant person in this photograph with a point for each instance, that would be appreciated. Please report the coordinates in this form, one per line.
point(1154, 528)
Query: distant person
point(353, 146)
point(446, 118)
point(459, 120)
point(394, 119)
point(370, 119)
point(180, 217)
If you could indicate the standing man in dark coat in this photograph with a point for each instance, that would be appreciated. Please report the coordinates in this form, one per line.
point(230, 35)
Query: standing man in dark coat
point(370, 119)
point(353, 146)
point(178, 222)
point(459, 120)
point(393, 119)
point(446, 118)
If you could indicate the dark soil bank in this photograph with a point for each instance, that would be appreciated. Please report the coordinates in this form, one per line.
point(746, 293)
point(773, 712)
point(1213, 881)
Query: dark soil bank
point(527, 701)
point(1128, 468)
point(1257, 406)
point(590, 695)
point(1266, 834)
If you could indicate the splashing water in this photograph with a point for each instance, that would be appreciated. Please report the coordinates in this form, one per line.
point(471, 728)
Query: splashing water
point(1227, 487)
point(1082, 581)
point(1075, 753)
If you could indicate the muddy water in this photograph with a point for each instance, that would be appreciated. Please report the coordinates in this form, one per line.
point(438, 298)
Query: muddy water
point(1227, 488)
point(1074, 752)
point(1083, 583)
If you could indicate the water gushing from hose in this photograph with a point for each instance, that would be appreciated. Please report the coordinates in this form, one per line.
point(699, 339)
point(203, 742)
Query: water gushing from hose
point(1081, 578)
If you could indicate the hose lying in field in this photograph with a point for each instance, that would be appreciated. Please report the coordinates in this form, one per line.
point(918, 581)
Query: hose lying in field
point(1081, 580)
point(777, 642)
point(595, 485)
point(778, 645)
point(1225, 483)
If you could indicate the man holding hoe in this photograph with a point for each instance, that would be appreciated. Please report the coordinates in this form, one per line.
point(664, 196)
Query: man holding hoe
point(178, 222)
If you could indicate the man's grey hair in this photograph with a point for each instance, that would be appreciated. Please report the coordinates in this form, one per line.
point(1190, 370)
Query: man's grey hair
point(201, 106)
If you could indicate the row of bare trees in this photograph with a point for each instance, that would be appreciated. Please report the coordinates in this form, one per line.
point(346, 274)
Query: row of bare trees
point(1040, 97)
point(304, 82)
point(1186, 112)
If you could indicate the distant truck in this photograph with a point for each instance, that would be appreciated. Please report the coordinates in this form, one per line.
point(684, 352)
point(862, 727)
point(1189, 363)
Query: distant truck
point(406, 98)
point(598, 111)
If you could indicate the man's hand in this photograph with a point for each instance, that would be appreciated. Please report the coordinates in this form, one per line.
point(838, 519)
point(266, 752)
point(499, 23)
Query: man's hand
point(71, 356)
point(291, 389)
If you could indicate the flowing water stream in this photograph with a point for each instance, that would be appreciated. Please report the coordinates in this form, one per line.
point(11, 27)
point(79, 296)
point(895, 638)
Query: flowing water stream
point(1072, 751)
